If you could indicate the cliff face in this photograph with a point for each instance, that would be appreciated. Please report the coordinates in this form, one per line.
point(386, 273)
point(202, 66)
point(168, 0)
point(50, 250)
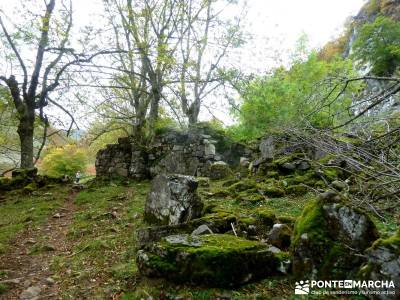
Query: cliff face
point(367, 14)
point(373, 8)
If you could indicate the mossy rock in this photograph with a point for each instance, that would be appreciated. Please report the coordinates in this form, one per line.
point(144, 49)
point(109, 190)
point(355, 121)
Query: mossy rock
point(288, 220)
point(242, 186)
point(280, 236)
point(332, 174)
point(328, 237)
point(210, 260)
point(273, 174)
point(218, 221)
point(265, 216)
point(230, 182)
point(30, 188)
point(251, 199)
point(296, 190)
point(203, 181)
point(288, 158)
point(220, 170)
point(271, 191)
point(383, 263)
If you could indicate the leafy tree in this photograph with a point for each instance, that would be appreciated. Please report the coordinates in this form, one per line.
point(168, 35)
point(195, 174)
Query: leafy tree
point(32, 79)
point(378, 45)
point(288, 97)
point(66, 160)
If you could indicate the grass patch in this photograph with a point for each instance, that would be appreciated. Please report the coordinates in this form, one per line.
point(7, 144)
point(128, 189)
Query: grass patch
point(102, 263)
point(20, 211)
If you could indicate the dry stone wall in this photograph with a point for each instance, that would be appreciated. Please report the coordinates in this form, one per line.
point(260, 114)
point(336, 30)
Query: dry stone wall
point(192, 152)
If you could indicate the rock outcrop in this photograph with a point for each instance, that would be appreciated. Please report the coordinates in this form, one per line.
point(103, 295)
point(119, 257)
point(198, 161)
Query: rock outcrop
point(172, 200)
point(218, 260)
point(384, 265)
point(328, 238)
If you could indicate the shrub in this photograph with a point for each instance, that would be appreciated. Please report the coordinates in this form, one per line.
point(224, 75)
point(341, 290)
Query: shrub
point(66, 160)
point(378, 45)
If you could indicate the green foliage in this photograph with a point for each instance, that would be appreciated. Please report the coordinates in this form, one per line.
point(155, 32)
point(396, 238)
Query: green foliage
point(165, 123)
point(284, 98)
point(101, 133)
point(378, 44)
point(66, 160)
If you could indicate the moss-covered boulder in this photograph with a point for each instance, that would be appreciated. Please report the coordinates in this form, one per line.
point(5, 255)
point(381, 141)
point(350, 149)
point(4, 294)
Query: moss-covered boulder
point(296, 190)
point(218, 260)
point(280, 235)
point(220, 170)
point(203, 181)
point(384, 265)
point(243, 185)
point(265, 216)
point(30, 188)
point(272, 191)
point(328, 238)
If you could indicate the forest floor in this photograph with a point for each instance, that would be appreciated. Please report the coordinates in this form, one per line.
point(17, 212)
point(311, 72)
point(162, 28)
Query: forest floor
point(56, 243)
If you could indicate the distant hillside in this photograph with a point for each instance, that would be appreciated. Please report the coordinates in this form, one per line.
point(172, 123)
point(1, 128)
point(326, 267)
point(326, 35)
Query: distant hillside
point(368, 13)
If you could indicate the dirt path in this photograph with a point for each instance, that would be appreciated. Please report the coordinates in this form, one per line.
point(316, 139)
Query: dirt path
point(29, 274)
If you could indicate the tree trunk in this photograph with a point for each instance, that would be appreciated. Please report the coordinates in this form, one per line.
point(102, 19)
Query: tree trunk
point(193, 113)
point(25, 132)
point(154, 107)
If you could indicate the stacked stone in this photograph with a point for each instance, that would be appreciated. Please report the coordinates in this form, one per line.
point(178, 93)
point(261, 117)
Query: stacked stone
point(115, 159)
point(189, 153)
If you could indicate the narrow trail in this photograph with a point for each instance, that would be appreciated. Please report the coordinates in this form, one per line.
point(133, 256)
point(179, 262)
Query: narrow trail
point(29, 273)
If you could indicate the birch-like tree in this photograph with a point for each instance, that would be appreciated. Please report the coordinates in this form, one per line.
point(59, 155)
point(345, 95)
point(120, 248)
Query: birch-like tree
point(36, 57)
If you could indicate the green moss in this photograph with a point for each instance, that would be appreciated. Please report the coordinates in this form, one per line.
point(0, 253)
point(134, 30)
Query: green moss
point(30, 188)
point(220, 171)
point(283, 256)
point(265, 216)
point(296, 190)
point(350, 140)
point(273, 174)
point(252, 199)
point(230, 182)
point(287, 158)
point(247, 221)
point(213, 261)
point(223, 193)
point(163, 265)
point(365, 271)
point(392, 242)
point(203, 181)
point(312, 222)
point(124, 271)
point(271, 190)
point(332, 173)
point(242, 186)
point(284, 219)
point(209, 207)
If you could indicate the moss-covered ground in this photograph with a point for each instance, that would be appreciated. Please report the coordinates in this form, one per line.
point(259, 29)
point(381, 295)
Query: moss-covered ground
point(101, 263)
